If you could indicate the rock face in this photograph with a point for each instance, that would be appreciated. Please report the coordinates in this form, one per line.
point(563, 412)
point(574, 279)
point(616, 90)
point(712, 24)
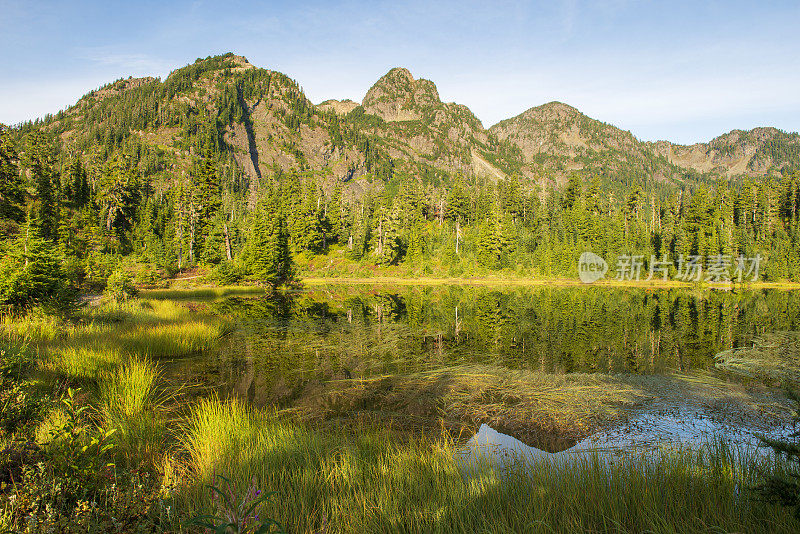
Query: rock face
point(417, 127)
point(340, 107)
point(738, 152)
point(397, 96)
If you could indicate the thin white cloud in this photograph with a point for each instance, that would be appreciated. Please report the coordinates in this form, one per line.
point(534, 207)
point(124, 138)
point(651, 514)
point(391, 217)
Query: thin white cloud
point(137, 63)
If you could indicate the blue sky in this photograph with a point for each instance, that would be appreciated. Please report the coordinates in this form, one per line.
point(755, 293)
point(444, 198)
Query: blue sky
point(683, 71)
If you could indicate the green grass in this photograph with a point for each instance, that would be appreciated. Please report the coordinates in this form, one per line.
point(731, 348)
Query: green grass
point(106, 337)
point(369, 482)
point(129, 402)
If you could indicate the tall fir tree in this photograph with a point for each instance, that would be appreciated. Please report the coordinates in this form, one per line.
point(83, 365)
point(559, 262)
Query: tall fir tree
point(39, 155)
point(12, 187)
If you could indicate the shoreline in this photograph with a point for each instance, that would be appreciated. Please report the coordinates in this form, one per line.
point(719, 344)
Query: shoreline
point(560, 282)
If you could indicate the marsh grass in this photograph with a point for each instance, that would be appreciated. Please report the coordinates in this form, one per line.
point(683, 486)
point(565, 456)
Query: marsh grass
point(130, 401)
point(362, 478)
point(368, 482)
point(530, 404)
point(773, 357)
point(110, 335)
point(202, 293)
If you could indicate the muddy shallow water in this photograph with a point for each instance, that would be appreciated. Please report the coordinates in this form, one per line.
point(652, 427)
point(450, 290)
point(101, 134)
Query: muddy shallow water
point(639, 437)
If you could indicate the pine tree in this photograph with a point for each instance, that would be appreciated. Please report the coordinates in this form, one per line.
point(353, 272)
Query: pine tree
point(267, 254)
point(40, 161)
point(31, 270)
point(12, 187)
point(457, 205)
point(495, 242)
point(334, 214)
point(206, 202)
point(118, 196)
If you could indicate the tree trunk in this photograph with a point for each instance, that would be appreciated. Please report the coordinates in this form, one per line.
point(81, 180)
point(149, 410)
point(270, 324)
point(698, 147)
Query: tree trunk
point(191, 242)
point(227, 243)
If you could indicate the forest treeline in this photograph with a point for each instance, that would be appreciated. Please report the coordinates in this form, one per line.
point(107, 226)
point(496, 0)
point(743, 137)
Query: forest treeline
point(79, 220)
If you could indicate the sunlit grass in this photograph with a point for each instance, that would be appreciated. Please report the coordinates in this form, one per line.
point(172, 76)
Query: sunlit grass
point(362, 478)
point(35, 326)
point(369, 483)
point(773, 357)
point(129, 403)
point(529, 403)
point(83, 362)
point(171, 340)
point(202, 293)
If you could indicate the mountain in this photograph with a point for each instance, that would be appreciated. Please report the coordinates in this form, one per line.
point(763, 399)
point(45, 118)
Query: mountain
point(557, 139)
point(417, 128)
point(267, 126)
point(754, 152)
point(224, 163)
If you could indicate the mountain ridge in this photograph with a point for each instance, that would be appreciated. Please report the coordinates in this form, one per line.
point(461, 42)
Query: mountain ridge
point(401, 125)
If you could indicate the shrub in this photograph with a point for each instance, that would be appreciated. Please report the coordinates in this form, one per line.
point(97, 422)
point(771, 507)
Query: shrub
point(31, 273)
point(228, 273)
point(119, 286)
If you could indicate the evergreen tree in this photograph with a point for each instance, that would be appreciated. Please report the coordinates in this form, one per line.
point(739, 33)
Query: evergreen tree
point(457, 205)
point(495, 242)
point(334, 214)
point(118, 197)
point(40, 162)
point(206, 200)
point(31, 270)
point(12, 187)
point(267, 254)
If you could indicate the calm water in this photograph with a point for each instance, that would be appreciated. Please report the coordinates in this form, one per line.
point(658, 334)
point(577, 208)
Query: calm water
point(282, 346)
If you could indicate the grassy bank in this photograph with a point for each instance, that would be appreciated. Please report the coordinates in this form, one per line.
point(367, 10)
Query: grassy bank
point(368, 482)
point(96, 438)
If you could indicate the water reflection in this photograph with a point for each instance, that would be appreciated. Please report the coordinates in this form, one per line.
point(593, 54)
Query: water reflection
point(285, 346)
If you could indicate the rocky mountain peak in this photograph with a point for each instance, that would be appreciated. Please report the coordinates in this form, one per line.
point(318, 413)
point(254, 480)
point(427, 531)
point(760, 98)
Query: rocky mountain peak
point(397, 96)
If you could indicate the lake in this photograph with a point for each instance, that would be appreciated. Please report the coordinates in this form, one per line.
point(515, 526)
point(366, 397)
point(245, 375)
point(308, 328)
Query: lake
point(307, 351)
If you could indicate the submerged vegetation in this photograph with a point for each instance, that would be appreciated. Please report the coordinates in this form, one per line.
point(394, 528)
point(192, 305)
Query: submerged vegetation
point(99, 433)
point(773, 357)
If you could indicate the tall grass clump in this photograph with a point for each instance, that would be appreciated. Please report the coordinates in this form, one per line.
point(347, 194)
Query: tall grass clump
point(35, 326)
point(130, 403)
